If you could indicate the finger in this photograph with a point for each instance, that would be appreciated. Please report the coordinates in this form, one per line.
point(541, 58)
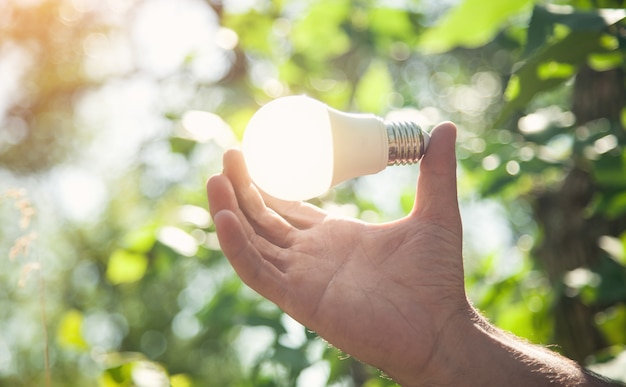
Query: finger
point(257, 272)
point(222, 197)
point(265, 221)
point(300, 215)
point(220, 194)
point(437, 187)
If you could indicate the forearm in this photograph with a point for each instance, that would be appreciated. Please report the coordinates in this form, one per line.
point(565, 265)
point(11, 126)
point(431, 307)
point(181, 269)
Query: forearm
point(514, 362)
point(475, 353)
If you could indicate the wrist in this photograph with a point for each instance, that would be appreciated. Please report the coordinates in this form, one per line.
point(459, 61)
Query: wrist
point(447, 358)
point(469, 351)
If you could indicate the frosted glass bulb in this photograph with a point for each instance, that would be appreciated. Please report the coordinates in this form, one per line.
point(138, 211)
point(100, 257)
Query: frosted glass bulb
point(296, 148)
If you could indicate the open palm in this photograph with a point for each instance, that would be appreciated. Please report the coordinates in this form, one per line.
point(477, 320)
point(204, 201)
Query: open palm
point(376, 291)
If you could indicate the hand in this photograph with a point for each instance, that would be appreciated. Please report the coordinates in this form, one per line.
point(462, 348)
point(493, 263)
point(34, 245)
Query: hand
point(383, 293)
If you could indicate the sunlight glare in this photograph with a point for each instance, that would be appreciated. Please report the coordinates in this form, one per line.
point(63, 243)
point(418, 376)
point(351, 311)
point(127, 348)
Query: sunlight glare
point(203, 127)
point(168, 33)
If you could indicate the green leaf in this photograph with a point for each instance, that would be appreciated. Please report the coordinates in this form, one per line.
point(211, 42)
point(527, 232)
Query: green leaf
point(555, 69)
point(69, 332)
point(604, 62)
point(512, 88)
point(271, 320)
point(374, 87)
point(551, 61)
point(253, 28)
point(141, 239)
point(545, 19)
point(181, 380)
point(182, 145)
point(126, 267)
point(549, 68)
point(407, 200)
point(612, 323)
point(319, 35)
point(471, 24)
point(118, 376)
point(389, 25)
point(517, 319)
point(612, 288)
point(609, 171)
point(294, 359)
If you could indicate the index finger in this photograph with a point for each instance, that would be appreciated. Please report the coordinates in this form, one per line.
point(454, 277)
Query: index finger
point(264, 220)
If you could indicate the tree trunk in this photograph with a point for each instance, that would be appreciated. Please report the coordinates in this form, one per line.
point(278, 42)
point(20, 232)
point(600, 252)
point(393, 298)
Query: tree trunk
point(569, 234)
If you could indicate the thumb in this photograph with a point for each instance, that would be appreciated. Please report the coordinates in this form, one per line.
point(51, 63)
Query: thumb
point(436, 189)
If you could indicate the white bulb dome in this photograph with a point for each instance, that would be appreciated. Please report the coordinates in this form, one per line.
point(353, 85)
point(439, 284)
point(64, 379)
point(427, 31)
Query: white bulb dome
point(288, 148)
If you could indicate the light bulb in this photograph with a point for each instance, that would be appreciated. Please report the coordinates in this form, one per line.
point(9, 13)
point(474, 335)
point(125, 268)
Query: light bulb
point(296, 148)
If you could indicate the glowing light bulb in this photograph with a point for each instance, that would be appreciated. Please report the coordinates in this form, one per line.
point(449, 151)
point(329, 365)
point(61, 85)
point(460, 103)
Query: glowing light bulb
point(296, 148)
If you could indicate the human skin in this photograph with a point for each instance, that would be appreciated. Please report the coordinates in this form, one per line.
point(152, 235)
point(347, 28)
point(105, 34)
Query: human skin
point(391, 295)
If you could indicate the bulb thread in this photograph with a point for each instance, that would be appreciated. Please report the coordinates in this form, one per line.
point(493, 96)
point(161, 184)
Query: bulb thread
point(406, 142)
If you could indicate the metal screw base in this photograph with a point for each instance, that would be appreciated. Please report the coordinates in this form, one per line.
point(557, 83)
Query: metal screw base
point(406, 143)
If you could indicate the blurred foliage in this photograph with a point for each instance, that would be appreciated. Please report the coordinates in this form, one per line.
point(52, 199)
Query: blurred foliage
point(45, 51)
point(111, 121)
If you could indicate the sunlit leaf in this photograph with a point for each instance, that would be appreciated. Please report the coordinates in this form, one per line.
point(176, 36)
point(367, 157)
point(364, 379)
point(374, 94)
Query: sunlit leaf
point(512, 88)
point(126, 267)
point(374, 88)
point(604, 62)
point(140, 239)
point(554, 69)
point(407, 200)
point(107, 380)
point(69, 332)
point(517, 319)
point(181, 380)
point(470, 24)
point(120, 376)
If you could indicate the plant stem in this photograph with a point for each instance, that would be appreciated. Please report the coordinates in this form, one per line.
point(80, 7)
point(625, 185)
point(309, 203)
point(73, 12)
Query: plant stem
point(44, 324)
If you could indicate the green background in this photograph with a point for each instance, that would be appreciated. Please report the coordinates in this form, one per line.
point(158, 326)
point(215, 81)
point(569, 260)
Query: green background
point(114, 113)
